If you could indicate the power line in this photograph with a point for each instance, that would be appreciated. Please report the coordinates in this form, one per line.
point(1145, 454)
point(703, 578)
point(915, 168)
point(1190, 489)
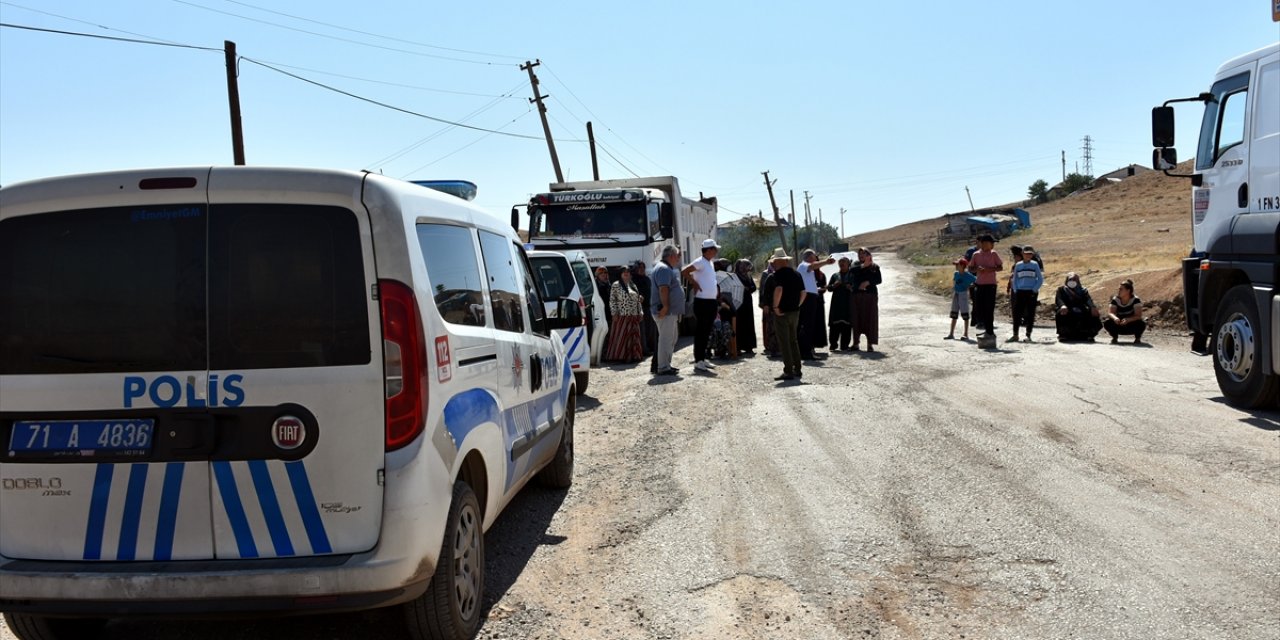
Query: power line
point(465, 146)
point(438, 132)
point(506, 96)
point(86, 22)
point(376, 35)
point(385, 105)
point(604, 124)
point(113, 38)
point(338, 38)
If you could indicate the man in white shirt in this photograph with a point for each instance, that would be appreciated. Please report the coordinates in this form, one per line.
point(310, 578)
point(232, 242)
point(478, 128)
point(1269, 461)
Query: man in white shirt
point(702, 276)
point(810, 315)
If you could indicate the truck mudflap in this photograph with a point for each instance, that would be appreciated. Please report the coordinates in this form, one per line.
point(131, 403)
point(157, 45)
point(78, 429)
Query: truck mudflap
point(1191, 300)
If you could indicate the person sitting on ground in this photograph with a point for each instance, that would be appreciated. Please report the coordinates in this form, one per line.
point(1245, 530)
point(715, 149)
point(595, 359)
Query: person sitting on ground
point(961, 282)
point(1125, 315)
point(1077, 316)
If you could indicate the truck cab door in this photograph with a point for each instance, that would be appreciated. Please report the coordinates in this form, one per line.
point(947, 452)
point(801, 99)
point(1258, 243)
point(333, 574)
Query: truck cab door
point(1223, 160)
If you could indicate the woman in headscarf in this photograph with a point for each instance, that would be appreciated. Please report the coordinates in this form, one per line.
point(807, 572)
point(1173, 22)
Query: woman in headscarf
point(649, 330)
point(746, 311)
point(866, 305)
point(766, 312)
point(625, 306)
point(602, 283)
point(1078, 316)
point(730, 299)
point(841, 319)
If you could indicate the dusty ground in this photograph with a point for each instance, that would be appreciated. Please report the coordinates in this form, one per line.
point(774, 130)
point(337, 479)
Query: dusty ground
point(934, 491)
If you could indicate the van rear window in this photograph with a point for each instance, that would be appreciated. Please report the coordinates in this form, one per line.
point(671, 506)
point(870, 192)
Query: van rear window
point(125, 289)
point(103, 290)
point(554, 277)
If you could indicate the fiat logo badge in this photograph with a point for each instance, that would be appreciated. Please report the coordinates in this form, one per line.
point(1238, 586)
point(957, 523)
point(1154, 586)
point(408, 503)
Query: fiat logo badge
point(288, 432)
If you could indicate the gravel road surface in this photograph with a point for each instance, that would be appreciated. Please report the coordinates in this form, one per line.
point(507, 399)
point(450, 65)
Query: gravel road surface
point(933, 490)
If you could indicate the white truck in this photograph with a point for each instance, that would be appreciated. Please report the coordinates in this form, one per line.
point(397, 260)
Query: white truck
point(1231, 279)
point(617, 222)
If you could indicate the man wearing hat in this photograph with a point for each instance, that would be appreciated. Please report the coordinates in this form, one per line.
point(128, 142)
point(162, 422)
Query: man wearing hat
point(788, 296)
point(1026, 281)
point(985, 263)
point(702, 274)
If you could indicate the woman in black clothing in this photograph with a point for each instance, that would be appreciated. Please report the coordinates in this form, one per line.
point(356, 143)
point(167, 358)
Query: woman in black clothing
point(866, 305)
point(1125, 317)
point(746, 330)
point(1077, 315)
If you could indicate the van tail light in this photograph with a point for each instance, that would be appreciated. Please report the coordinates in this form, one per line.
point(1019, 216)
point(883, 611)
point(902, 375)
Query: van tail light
point(405, 362)
point(582, 306)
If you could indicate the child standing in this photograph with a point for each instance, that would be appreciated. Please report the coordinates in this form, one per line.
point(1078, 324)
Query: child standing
point(1026, 281)
point(961, 282)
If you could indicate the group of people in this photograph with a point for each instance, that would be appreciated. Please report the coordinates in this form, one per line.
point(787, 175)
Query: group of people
point(1077, 317)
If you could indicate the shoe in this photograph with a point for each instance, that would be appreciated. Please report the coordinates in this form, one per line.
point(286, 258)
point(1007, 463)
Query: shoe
point(701, 365)
point(669, 371)
point(855, 348)
point(784, 377)
point(1013, 338)
point(965, 337)
point(1137, 341)
point(799, 374)
point(1115, 341)
point(950, 336)
point(708, 364)
point(871, 349)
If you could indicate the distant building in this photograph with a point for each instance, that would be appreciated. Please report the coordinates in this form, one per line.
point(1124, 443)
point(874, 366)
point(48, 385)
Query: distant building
point(1123, 173)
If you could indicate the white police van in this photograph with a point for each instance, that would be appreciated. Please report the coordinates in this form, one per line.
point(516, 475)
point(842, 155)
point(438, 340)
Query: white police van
point(559, 281)
point(249, 390)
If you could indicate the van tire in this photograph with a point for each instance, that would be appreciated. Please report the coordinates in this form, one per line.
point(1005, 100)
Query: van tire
point(558, 474)
point(28, 627)
point(1238, 340)
point(582, 378)
point(451, 607)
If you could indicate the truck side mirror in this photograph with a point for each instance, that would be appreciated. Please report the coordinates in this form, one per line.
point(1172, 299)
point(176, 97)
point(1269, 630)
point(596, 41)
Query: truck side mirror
point(1162, 127)
point(1164, 159)
point(666, 220)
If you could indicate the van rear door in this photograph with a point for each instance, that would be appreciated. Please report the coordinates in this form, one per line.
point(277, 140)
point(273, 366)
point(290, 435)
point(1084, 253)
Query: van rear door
point(103, 357)
point(293, 321)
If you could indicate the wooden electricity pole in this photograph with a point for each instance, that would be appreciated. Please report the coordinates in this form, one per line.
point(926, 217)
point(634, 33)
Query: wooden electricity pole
point(795, 236)
point(542, 111)
point(233, 96)
point(808, 214)
point(842, 236)
point(968, 195)
point(777, 220)
point(591, 140)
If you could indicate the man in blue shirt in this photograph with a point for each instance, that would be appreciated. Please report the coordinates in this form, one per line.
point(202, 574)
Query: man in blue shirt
point(1026, 281)
point(667, 306)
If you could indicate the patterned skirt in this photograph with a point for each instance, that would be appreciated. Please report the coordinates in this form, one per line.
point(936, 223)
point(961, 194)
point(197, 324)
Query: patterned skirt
point(770, 335)
point(625, 343)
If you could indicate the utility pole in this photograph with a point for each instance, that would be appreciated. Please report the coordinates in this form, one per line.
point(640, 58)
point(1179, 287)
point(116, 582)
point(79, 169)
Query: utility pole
point(795, 235)
point(591, 140)
point(966, 193)
point(842, 236)
point(777, 220)
point(1064, 165)
point(542, 111)
point(233, 96)
point(808, 213)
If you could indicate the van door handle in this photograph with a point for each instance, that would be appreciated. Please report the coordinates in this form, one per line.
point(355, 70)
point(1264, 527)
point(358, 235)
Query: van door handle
point(1242, 196)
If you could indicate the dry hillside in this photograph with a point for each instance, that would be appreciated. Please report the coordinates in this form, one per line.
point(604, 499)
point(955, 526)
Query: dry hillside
point(1139, 228)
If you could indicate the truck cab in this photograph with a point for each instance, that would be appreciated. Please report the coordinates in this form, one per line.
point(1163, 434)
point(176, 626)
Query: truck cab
point(1230, 277)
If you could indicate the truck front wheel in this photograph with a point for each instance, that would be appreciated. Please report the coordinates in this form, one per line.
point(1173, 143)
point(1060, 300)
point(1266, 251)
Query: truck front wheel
point(1238, 352)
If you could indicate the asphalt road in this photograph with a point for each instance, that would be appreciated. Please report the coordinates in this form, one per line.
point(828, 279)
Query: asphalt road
point(934, 490)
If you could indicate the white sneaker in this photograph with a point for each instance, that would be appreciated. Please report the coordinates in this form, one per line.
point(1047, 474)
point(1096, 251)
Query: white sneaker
point(709, 364)
point(701, 365)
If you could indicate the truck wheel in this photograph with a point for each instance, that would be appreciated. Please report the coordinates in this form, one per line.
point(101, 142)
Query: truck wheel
point(582, 378)
point(1238, 352)
point(450, 608)
point(558, 474)
point(28, 627)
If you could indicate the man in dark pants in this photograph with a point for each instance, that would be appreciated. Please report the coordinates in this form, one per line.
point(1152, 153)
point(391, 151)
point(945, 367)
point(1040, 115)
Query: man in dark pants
point(811, 330)
point(985, 263)
point(648, 330)
point(788, 297)
point(702, 275)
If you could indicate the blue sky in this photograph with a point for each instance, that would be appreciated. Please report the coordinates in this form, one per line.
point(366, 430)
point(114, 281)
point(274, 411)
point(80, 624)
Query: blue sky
point(888, 109)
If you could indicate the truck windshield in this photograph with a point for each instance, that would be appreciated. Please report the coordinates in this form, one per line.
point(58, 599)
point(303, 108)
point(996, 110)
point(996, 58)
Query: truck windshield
point(596, 220)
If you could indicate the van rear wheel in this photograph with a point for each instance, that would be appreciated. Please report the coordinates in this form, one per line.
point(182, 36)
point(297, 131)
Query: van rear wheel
point(582, 378)
point(450, 608)
point(558, 474)
point(28, 627)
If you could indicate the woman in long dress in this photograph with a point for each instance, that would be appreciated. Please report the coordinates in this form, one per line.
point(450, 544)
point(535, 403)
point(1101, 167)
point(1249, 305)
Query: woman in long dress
point(866, 305)
point(625, 306)
point(746, 311)
point(841, 319)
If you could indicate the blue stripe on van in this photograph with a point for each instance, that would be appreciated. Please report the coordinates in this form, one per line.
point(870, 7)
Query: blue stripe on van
point(97, 512)
point(168, 519)
point(270, 508)
point(308, 508)
point(235, 510)
point(569, 353)
point(126, 548)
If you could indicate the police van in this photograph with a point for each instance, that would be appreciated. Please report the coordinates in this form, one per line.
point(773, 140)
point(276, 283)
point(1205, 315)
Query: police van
point(559, 279)
point(239, 390)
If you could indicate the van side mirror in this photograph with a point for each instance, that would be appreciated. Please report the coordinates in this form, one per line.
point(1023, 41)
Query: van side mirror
point(1164, 159)
point(1162, 128)
point(515, 219)
point(667, 220)
point(568, 315)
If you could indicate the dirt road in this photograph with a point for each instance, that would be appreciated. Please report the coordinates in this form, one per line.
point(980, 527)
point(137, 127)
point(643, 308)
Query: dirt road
point(934, 491)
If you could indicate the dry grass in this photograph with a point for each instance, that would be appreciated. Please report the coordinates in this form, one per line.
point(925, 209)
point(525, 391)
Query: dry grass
point(1139, 228)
